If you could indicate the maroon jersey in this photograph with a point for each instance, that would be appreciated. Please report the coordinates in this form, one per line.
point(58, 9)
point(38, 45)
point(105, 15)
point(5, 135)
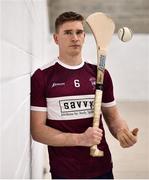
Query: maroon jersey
point(67, 94)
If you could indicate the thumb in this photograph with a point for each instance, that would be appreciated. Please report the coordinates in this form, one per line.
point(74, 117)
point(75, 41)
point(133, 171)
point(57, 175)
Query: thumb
point(135, 131)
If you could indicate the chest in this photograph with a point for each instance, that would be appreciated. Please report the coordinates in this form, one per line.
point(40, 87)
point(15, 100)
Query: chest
point(68, 83)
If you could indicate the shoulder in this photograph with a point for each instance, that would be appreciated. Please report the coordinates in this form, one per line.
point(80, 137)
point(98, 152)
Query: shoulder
point(93, 67)
point(48, 66)
point(90, 67)
point(107, 73)
point(107, 76)
point(45, 70)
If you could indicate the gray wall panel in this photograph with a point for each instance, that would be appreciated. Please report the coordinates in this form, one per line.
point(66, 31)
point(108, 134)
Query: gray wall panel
point(131, 13)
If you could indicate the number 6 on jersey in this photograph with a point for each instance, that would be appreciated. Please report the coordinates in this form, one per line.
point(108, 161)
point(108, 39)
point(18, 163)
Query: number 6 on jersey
point(102, 28)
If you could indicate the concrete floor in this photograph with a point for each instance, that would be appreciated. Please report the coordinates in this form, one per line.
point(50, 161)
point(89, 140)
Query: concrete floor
point(133, 162)
point(130, 163)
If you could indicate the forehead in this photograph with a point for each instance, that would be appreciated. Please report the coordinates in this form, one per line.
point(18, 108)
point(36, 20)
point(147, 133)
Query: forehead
point(71, 25)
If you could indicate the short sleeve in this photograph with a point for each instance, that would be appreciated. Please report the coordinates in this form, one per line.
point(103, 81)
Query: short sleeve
point(38, 95)
point(108, 99)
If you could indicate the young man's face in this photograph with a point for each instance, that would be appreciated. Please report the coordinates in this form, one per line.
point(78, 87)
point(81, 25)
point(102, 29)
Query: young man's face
point(70, 38)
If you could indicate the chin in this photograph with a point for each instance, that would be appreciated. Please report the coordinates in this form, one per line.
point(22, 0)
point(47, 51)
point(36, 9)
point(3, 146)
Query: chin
point(75, 53)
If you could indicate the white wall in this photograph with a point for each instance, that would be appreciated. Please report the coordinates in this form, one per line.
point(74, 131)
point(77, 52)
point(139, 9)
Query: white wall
point(24, 31)
point(128, 64)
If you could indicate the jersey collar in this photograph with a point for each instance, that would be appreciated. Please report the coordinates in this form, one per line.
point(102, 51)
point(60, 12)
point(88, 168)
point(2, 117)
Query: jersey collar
point(68, 66)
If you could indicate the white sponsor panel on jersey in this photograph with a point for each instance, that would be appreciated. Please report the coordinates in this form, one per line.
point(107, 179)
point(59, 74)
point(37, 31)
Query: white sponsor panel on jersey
point(70, 107)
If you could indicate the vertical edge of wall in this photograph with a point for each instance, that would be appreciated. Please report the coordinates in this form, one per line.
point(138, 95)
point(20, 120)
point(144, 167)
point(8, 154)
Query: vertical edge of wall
point(40, 31)
point(0, 92)
point(0, 116)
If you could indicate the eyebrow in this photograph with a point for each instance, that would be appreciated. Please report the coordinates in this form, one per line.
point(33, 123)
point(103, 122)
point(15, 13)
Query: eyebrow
point(69, 30)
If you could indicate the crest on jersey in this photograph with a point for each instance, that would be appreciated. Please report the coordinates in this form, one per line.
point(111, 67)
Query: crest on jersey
point(93, 82)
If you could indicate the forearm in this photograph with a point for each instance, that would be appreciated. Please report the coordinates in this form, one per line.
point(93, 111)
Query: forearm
point(54, 137)
point(117, 126)
point(114, 120)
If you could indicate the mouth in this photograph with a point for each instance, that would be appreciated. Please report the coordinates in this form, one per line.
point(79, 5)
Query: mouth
point(75, 46)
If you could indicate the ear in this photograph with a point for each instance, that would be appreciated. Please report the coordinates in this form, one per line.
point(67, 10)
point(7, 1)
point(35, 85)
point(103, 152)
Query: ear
point(55, 37)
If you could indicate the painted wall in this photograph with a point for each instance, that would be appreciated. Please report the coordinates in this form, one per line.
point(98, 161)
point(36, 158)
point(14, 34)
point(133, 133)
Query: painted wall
point(24, 31)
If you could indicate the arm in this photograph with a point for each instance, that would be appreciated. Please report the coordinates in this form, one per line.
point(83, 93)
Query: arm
point(53, 137)
point(118, 127)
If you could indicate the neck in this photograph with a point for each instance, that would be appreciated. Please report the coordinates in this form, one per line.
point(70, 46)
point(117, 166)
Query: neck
point(71, 60)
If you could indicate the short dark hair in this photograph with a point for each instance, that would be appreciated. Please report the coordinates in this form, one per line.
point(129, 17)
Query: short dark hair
point(67, 16)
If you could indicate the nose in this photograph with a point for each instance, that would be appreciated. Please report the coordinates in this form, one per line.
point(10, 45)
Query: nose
point(74, 37)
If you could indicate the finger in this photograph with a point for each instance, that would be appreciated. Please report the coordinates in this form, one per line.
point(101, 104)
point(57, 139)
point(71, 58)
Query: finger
point(96, 140)
point(123, 142)
point(129, 137)
point(97, 137)
point(98, 129)
point(123, 139)
point(99, 140)
point(135, 131)
point(98, 132)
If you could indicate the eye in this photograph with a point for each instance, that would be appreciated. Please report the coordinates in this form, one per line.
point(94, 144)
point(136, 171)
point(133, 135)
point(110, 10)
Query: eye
point(68, 32)
point(79, 32)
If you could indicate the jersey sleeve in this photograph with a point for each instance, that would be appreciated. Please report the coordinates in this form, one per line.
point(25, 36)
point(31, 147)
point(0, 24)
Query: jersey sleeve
point(108, 99)
point(38, 95)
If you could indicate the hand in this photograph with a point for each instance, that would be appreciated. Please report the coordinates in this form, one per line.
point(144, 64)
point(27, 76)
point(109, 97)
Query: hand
point(92, 136)
point(127, 138)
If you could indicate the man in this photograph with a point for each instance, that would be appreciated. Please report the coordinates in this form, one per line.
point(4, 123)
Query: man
point(62, 108)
